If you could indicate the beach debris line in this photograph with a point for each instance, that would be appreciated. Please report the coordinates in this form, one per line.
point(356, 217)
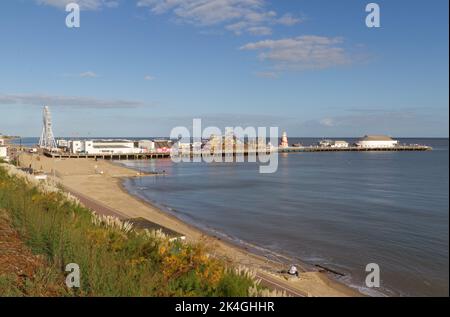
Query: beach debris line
point(323, 268)
point(142, 223)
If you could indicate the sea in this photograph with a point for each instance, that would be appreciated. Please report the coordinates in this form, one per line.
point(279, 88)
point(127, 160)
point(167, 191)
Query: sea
point(339, 210)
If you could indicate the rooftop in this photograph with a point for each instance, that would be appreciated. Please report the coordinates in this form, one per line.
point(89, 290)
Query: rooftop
point(163, 144)
point(376, 138)
point(110, 141)
point(117, 146)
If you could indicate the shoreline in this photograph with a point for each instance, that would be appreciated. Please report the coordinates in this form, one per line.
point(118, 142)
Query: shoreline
point(102, 182)
point(256, 251)
point(219, 236)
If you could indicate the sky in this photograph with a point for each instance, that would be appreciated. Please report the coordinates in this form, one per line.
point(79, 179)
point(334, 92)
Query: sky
point(142, 67)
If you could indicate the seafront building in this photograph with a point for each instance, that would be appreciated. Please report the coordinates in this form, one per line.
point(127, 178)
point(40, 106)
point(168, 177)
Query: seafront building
point(336, 144)
point(3, 149)
point(162, 146)
point(229, 143)
point(113, 146)
point(339, 144)
point(3, 152)
point(325, 143)
point(98, 147)
point(146, 145)
point(376, 141)
point(184, 147)
point(61, 143)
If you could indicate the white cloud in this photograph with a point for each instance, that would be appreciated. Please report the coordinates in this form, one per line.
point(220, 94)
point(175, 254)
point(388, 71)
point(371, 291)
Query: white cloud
point(238, 28)
point(268, 75)
point(328, 122)
point(259, 30)
point(88, 74)
point(84, 4)
point(148, 77)
point(238, 16)
point(303, 52)
point(289, 19)
point(67, 101)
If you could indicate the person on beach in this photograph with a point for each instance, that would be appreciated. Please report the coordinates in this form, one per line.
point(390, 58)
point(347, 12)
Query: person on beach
point(293, 270)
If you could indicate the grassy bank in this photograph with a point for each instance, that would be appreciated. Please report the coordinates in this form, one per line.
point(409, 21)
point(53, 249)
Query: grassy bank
point(114, 259)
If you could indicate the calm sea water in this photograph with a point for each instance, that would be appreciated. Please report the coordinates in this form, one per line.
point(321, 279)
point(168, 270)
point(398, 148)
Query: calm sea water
point(342, 210)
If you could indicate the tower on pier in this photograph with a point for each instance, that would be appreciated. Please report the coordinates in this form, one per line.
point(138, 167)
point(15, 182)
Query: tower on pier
point(284, 140)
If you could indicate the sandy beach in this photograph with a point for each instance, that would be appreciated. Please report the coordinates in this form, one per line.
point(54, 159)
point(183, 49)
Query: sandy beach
point(100, 182)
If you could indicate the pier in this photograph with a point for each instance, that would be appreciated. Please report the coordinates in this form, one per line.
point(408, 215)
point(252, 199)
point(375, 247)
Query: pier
point(114, 156)
point(302, 149)
point(399, 148)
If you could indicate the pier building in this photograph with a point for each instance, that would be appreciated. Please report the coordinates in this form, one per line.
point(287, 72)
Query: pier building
point(376, 141)
point(99, 147)
point(339, 144)
point(146, 145)
point(336, 144)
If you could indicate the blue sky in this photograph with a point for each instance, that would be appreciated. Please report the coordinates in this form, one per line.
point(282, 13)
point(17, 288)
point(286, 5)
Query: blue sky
point(141, 67)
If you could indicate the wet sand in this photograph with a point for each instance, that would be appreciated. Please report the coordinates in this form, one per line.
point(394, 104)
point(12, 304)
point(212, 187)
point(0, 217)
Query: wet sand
point(101, 183)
